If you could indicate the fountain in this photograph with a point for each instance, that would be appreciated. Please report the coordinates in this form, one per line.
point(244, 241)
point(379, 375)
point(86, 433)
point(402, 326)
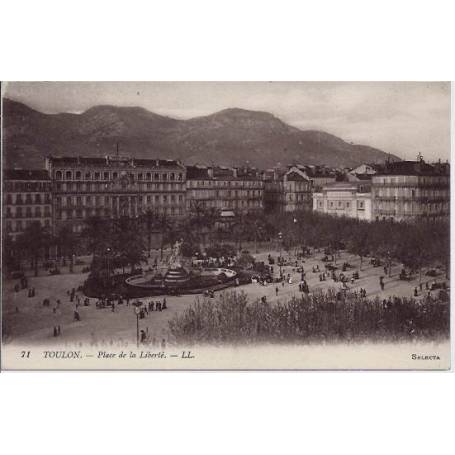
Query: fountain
point(184, 280)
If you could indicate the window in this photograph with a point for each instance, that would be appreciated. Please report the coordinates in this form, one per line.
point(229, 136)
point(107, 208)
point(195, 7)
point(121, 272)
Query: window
point(180, 176)
point(28, 199)
point(28, 212)
point(68, 175)
point(88, 176)
point(58, 175)
point(164, 176)
point(115, 175)
point(9, 199)
point(156, 176)
point(139, 176)
point(38, 212)
point(106, 176)
point(97, 175)
point(148, 176)
point(78, 175)
point(172, 176)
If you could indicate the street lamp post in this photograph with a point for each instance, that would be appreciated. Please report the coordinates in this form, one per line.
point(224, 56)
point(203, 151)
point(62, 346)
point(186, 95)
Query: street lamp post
point(108, 251)
point(280, 238)
point(295, 233)
point(137, 311)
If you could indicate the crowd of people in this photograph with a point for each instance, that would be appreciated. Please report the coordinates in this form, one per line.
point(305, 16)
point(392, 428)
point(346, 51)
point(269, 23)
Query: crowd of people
point(282, 271)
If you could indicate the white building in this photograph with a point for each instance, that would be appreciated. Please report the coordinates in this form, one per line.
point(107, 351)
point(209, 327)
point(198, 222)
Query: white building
point(351, 199)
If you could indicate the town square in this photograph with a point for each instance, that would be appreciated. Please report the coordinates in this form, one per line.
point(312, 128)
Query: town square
point(133, 229)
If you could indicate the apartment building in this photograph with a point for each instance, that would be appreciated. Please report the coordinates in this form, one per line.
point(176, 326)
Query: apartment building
point(27, 198)
point(114, 186)
point(223, 188)
point(405, 190)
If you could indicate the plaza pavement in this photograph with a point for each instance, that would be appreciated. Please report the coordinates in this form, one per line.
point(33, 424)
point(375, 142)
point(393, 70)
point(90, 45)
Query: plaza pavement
point(33, 323)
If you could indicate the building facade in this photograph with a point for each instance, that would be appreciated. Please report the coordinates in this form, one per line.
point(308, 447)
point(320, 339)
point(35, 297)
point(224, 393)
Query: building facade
point(111, 187)
point(287, 191)
point(319, 176)
point(27, 198)
point(222, 188)
point(407, 190)
point(348, 199)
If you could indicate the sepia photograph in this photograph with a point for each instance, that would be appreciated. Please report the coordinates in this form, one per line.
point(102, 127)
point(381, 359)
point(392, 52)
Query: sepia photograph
point(225, 225)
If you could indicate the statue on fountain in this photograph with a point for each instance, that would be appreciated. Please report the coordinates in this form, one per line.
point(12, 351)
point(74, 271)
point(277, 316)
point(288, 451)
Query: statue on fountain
point(175, 259)
point(176, 275)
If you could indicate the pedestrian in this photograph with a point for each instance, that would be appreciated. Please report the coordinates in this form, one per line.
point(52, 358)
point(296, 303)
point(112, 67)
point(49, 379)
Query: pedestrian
point(143, 336)
point(77, 317)
point(163, 344)
point(415, 292)
point(164, 304)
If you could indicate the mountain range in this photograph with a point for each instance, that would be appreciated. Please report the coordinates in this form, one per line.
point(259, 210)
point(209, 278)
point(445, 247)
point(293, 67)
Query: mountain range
point(229, 137)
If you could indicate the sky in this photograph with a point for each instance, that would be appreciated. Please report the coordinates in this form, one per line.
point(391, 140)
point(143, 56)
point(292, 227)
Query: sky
point(403, 118)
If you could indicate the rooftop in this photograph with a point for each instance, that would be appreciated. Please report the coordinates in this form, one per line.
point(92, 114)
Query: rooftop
point(113, 161)
point(414, 168)
point(26, 174)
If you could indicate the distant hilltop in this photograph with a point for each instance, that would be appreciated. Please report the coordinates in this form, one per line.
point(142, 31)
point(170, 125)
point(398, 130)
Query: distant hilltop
point(231, 137)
